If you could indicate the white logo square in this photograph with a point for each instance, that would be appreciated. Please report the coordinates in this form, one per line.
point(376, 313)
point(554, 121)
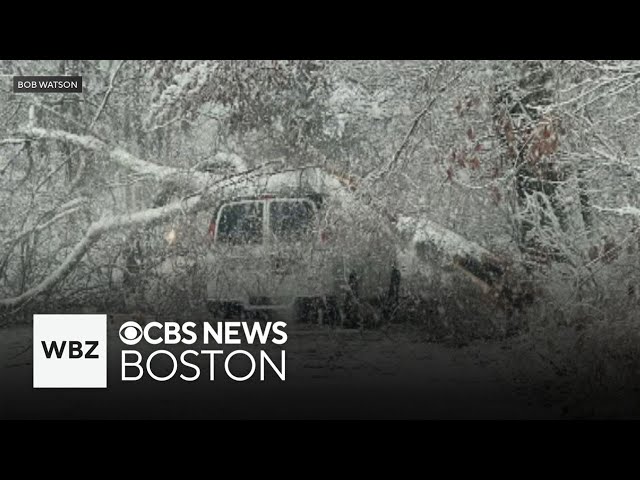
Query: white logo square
point(70, 351)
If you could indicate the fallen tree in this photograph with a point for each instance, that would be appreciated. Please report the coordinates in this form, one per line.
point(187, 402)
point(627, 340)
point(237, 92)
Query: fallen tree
point(121, 157)
point(196, 187)
point(483, 268)
point(111, 224)
point(495, 276)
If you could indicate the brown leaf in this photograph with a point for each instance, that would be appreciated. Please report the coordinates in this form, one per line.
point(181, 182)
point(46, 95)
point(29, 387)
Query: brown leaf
point(449, 174)
point(495, 195)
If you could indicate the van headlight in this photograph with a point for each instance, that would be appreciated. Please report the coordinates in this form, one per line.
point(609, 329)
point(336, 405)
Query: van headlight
point(170, 237)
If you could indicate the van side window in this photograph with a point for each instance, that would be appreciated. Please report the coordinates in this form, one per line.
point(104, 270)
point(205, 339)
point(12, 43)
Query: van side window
point(240, 223)
point(291, 220)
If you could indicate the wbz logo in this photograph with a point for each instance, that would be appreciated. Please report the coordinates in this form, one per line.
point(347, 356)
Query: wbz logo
point(69, 351)
point(75, 349)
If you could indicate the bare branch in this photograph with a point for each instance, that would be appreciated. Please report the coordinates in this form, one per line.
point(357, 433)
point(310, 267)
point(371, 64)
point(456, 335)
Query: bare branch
point(67, 209)
point(105, 99)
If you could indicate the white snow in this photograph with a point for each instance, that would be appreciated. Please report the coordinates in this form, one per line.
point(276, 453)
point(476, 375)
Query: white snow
point(446, 241)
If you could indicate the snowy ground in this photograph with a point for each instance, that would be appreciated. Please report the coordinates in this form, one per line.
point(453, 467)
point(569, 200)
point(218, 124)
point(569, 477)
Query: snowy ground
point(330, 374)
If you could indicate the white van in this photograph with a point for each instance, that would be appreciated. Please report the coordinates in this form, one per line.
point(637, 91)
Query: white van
point(298, 241)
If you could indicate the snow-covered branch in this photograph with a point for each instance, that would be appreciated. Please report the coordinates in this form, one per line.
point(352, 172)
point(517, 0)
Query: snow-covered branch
point(130, 162)
point(113, 223)
point(233, 160)
point(184, 86)
point(12, 141)
point(92, 235)
point(446, 241)
point(65, 210)
point(117, 154)
point(620, 211)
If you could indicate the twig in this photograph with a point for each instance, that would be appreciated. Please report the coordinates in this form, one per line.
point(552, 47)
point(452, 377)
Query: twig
point(105, 99)
point(414, 125)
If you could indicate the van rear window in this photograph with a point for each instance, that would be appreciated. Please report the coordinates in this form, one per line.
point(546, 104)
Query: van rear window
point(291, 220)
point(240, 223)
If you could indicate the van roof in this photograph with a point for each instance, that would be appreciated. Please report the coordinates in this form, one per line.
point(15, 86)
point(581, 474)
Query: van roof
point(315, 197)
point(297, 182)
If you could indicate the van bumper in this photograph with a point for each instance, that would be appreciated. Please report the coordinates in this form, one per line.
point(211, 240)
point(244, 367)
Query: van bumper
point(255, 292)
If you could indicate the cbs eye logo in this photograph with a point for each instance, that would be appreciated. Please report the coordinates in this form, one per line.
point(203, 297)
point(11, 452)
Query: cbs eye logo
point(130, 333)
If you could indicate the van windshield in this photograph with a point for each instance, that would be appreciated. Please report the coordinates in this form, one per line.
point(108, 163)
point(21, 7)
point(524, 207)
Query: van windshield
point(291, 220)
point(240, 223)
